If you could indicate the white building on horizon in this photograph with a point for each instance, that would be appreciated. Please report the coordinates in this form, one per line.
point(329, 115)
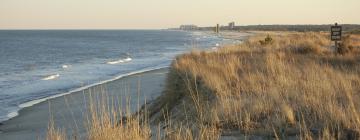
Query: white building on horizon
point(188, 27)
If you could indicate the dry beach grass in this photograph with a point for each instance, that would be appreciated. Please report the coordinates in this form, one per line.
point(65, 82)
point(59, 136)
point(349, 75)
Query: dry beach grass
point(288, 85)
point(275, 85)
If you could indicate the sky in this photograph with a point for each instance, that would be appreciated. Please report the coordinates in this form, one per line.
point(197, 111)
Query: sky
point(160, 14)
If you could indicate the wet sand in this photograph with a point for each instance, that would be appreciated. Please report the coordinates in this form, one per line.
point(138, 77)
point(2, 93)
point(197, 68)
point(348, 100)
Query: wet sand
point(69, 112)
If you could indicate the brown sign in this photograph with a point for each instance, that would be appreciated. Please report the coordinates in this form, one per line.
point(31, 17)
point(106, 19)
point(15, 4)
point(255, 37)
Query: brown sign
point(336, 33)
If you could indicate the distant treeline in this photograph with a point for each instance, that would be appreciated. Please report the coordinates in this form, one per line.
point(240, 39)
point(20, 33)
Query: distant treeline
point(300, 28)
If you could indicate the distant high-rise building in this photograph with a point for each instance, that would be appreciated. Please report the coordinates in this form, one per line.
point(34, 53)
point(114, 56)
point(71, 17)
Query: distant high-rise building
point(231, 25)
point(188, 27)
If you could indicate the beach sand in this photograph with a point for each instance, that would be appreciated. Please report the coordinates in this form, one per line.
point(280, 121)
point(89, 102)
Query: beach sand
point(69, 112)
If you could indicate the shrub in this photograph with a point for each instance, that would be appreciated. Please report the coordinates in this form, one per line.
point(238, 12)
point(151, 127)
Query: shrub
point(267, 41)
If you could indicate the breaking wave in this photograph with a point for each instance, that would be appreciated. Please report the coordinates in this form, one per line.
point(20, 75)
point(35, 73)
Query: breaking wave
point(128, 59)
point(51, 77)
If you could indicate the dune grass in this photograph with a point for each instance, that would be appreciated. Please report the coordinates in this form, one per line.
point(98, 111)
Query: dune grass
point(294, 85)
point(107, 119)
point(53, 133)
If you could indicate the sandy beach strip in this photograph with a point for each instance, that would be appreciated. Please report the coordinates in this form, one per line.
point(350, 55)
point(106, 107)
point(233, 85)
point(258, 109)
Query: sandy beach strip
point(69, 112)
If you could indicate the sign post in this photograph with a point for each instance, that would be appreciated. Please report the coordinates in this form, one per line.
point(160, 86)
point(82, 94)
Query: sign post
point(336, 32)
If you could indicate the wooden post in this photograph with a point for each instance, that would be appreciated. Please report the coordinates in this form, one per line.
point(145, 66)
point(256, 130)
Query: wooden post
point(336, 45)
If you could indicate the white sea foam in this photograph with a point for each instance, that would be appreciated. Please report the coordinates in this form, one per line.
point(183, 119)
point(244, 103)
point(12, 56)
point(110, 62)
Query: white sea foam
point(12, 114)
point(128, 59)
point(51, 77)
point(66, 66)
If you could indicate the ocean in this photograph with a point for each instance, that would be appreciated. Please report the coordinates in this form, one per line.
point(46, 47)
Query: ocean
point(37, 65)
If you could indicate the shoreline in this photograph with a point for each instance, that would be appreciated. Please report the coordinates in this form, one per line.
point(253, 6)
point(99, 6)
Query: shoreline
point(71, 91)
point(235, 36)
point(69, 111)
point(66, 91)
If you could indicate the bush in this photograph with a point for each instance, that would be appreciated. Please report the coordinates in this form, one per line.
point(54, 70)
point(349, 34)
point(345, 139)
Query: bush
point(267, 41)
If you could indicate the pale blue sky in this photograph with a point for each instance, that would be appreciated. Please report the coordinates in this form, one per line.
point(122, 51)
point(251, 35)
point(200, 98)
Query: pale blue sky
point(155, 14)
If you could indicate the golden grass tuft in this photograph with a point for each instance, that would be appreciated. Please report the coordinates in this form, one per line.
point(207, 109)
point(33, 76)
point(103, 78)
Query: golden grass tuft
point(350, 44)
point(108, 123)
point(53, 133)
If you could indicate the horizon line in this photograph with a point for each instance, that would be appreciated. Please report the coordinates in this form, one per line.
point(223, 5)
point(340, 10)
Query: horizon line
point(165, 28)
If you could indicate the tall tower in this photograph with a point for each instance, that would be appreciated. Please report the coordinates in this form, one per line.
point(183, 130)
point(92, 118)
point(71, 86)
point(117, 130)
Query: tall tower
point(231, 25)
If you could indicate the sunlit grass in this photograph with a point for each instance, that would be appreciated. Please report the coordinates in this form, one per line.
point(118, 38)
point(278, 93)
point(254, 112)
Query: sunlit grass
point(296, 85)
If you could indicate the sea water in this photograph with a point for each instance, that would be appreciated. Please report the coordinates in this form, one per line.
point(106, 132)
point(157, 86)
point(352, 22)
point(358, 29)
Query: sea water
point(37, 65)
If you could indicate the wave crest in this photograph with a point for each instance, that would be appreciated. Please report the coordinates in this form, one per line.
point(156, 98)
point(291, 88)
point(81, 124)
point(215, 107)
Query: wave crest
point(51, 77)
point(128, 59)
